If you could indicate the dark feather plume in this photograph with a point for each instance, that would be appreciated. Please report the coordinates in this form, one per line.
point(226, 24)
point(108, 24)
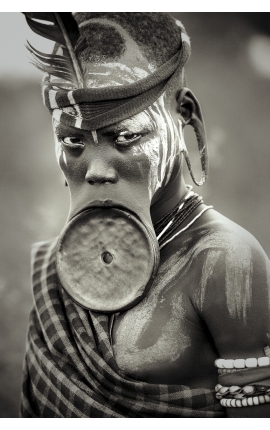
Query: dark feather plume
point(61, 28)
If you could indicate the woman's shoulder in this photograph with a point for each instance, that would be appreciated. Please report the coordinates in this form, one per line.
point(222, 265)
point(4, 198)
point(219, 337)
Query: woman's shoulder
point(215, 231)
point(231, 266)
point(223, 260)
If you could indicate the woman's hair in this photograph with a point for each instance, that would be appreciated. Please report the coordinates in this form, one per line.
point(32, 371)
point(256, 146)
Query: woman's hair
point(157, 34)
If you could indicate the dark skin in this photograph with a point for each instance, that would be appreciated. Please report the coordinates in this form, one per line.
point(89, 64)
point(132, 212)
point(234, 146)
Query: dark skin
point(188, 319)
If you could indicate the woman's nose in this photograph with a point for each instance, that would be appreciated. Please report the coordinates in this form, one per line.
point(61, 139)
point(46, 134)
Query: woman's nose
point(100, 172)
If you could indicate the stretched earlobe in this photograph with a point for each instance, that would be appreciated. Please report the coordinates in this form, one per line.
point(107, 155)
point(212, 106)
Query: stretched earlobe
point(189, 109)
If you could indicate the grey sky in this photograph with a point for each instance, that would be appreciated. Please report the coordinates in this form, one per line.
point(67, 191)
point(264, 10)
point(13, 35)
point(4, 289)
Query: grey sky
point(15, 58)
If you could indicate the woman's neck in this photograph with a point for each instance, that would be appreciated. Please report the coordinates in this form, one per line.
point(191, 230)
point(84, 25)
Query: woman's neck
point(170, 196)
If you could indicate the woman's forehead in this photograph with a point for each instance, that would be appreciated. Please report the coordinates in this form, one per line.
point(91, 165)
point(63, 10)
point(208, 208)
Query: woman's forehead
point(142, 120)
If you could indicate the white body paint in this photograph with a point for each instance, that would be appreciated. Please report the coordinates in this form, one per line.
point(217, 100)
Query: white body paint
point(238, 274)
point(171, 342)
point(96, 77)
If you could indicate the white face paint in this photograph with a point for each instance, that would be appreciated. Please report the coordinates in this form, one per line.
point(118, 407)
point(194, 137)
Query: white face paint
point(161, 144)
point(162, 150)
point(94, 135)
point(57, 144)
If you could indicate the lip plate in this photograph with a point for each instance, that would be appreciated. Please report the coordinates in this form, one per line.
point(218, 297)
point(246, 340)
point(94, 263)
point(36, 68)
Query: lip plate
point(153, 260)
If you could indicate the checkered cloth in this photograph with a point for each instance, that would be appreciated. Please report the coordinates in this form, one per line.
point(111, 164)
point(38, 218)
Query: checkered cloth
point(70, 369)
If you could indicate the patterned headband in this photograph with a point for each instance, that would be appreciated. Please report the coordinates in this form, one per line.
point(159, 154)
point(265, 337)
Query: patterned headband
point(94, 108)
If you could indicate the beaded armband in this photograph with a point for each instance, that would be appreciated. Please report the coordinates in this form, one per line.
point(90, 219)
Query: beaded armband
point(247, 395)
point(242, 363)
point(250, 401)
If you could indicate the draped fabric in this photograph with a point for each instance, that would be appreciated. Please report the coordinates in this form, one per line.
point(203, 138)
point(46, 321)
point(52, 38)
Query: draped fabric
point(70, 370)
point(94, 108)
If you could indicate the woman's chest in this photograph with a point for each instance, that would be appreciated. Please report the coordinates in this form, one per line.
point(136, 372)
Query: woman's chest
point(161, 338)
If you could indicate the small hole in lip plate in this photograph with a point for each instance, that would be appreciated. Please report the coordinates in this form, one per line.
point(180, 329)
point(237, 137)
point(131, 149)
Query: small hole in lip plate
point(106, 257)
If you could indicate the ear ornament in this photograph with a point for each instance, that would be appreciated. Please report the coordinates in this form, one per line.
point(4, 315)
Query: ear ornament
point(204, 162)
point(196, 121)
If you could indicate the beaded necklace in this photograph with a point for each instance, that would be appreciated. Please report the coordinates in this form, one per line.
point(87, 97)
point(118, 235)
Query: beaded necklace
point(170, 222)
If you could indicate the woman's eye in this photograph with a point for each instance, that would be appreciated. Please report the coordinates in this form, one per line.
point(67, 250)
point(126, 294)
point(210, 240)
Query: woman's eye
point(72, 142)
point(126, 139)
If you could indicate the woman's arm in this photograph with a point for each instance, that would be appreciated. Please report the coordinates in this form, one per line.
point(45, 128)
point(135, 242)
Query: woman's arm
point(235, 304)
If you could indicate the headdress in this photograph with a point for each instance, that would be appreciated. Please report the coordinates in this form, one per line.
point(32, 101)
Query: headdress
point(94, 108)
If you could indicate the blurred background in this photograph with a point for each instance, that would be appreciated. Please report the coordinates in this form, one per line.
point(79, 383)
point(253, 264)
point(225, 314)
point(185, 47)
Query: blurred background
point(229, 72)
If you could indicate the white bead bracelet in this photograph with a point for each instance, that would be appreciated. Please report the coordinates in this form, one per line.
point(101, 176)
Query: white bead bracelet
point(249, 401)
point(241, 363)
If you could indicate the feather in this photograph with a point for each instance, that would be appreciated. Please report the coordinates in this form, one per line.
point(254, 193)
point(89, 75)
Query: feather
point(62, 28)
point(56, 65)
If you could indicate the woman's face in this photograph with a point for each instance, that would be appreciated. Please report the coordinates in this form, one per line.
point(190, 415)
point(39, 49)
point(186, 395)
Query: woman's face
point(138, 153)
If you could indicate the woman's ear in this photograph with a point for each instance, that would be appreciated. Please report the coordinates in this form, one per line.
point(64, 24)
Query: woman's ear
point(189, 109)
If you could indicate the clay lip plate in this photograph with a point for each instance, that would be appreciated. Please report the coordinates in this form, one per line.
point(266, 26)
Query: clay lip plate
point(98, 286)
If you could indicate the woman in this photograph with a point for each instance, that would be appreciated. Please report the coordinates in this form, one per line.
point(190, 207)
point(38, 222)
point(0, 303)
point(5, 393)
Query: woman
point(147, 305)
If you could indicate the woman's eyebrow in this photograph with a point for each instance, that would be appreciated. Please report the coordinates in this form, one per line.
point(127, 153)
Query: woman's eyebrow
point(130, 125)
point(63, 129)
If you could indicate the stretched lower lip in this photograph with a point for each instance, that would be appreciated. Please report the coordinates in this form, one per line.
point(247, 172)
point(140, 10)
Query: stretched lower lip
point(105, 204)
